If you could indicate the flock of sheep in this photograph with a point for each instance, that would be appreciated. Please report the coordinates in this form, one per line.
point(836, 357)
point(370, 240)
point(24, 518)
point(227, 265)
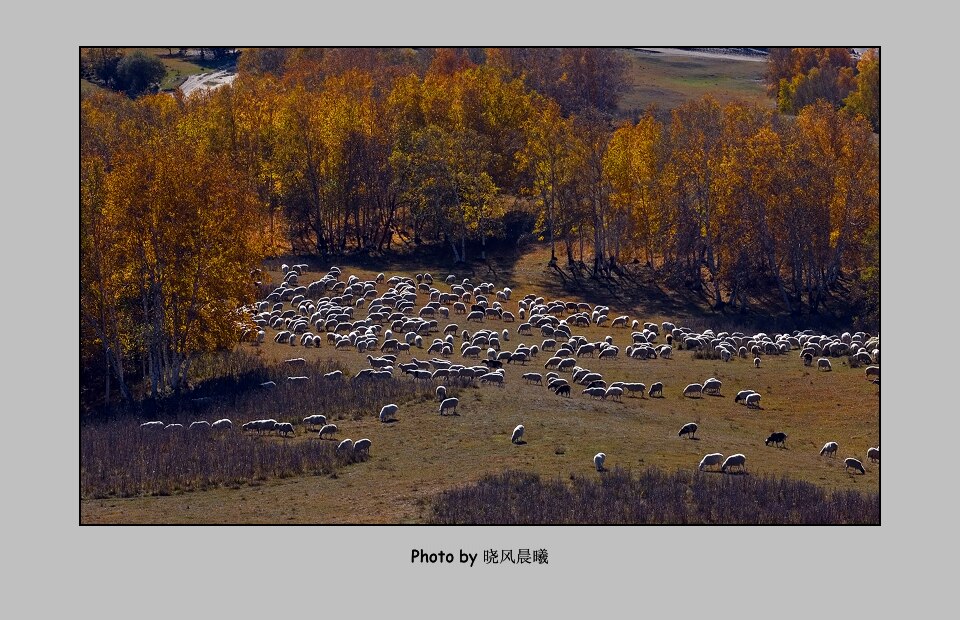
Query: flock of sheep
point(385, 319)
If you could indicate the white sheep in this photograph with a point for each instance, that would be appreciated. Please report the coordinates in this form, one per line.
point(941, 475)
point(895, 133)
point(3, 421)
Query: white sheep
point(756, 362)
point(155, 424)
point(711, 459)
point(441, 392)
point(824, 364)
point(336, 374)
point(174, 426)
point(693, 388)
point(852, 463)
point(712, 386)
point(201, 424)
point(613, 392)
point(314, 420)
point(829, 448)
point(598, 460)
point(517, 434)
point(449, 403)
point(222, 423)
point(753, 400)
point(388, 411)
point(284, 428)
point(734, 460)
point(362, 446)
point(874, 454)
point(533, 377)
point(345, 446)
point(328, 429)
point(742, 395)
point(873, 371)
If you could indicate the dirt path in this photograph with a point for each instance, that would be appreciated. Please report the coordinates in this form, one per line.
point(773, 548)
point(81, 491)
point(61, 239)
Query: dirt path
point(205, 81)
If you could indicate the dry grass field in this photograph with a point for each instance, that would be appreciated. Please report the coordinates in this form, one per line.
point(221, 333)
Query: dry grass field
point(669, 79)
point(423, 453)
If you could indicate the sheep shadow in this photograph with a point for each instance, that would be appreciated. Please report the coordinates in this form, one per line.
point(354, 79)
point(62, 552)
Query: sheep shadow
point(521, 442)
point(390, 421)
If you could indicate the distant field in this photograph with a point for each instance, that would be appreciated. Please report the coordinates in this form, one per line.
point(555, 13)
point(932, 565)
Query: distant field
point(424, 453)
point(668, 80)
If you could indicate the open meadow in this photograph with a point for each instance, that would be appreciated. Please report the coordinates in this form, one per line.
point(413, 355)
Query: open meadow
point(419, 453)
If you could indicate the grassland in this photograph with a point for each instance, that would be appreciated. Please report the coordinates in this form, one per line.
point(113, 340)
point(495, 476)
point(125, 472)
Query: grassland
point(423, 454)
point(668, 80)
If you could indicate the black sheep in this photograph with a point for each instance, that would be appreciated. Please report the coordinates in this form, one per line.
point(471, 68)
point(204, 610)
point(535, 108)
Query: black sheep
point(776, 439)
point(689, 429)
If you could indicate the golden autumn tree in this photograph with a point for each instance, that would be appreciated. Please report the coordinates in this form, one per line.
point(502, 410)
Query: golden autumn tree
point(865, 99)
point(633, 165)
point(166, 238)
point(545, 157)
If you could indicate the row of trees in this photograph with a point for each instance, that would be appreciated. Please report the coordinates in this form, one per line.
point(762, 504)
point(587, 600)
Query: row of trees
point(800, 76)
point(181, 197)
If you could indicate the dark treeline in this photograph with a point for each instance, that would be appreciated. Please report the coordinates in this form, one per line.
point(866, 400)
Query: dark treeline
point(333, 152)
point(651, 497)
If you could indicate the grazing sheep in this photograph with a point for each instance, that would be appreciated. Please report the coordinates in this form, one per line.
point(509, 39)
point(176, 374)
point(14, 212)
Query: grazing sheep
point(517, 434)
point(693, 388)
point(562, 390)
point(441, 392)
point(756, 362)
point(777, 439)
point(753, 400)
point(824, 364)
point(297, 362)
point(688, 429)
point(336, 374)
point(449, 403)
point(345, 446)
point(387, 412)
point(742, 395)
point(298, 379)
point(829, 448)
point(201, 424)
point(712, 386)
point(314, 420)
point(598, 460)
point(854, 464)
point(328, 429)
point(284, 428)
point(656, 390)
point(492, 377)
point(735, 460)
point(711, 459)
point(596, 392)
point(874, 454)
point(221, 424)
point(155, 424)
point(173, 426)
point(268, 384)
point(613, 392)
point(362, 446)
point(533, 377)
point(873, 371)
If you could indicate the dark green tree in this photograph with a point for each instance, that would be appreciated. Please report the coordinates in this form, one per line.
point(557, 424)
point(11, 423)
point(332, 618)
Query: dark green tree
point(137, 72)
